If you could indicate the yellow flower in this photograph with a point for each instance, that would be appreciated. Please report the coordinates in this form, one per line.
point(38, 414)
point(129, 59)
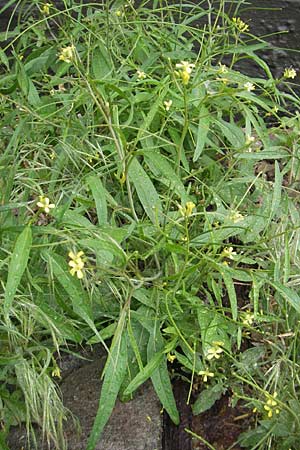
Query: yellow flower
point(119, 13)
point(185, 71)
point(46, 8)
point(222, 68)
point(215, 351)
point(271, 406)
point(168, 104)
point(272, 111)
point(67, 54)
point(187, 211)
point(44, 203)
point(289, 73)
point(249, 139)
point(236, 217)
point(77, 264)
point(56, 372)
point(141, 75)
point(249, 86)
point(171, 358)
point(228, 253)
point(248, 318)
point(241, 26)
point(206, 373)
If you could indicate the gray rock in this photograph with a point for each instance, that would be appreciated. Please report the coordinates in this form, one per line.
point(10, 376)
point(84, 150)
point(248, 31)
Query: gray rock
point(135, 425)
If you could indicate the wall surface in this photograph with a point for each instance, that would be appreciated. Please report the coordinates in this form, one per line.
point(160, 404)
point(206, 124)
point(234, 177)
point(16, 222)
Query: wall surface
point(277, 20)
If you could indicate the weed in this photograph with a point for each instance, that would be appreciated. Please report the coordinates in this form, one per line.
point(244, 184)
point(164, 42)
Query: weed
point(147, 203)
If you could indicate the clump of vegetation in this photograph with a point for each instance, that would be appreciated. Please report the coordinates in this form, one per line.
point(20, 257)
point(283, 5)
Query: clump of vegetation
point(149, 201)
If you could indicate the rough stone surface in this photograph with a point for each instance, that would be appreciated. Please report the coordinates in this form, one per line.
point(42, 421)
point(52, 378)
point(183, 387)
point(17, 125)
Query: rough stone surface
point(135, 425)
point(278, 22)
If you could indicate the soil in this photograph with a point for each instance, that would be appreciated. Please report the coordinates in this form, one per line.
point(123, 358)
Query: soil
point(220, 427)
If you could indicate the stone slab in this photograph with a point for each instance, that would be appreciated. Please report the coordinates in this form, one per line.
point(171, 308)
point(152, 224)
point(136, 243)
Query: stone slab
point(134, 425)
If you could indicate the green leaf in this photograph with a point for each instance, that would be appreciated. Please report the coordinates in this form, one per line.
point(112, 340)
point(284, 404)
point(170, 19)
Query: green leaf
point(158, 94)
point(17, 266)
point(23, 80)
point(33, 96)
point(213, 327)
point(160, 377)
point(72, 286)
point(229, 284)
point(207, 399)
point(274, 152)
point(65, 327)
point(105, 333)
point(252, 438)
point(232, 132)
point(101, 62)
point(144, 374)
point(4, 59)
point(189, 363)
point(106, 249)
point(146, 191)
point(246, 48)
point(203, 128)
point(277, 186)
point(115, 371)
point(98, 192)
point(288, 294)
point(145, 316)
point(74, 220)
point(160, 164)
point(144, 297)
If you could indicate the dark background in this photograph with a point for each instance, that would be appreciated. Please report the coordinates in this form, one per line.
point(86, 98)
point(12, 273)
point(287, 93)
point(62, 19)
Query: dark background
point(265, 17)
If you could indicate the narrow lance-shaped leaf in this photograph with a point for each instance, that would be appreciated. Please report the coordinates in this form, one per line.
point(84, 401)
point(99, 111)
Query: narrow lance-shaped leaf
point(72, 286)
point(203, 128)
point(228, 281)
point(115, 371)
point(276, 192)
point(146, 191)
point(101, 62)
point(144, 374)
point(17, 266)
point(288, 294)
point(160, 163)
point(160, 377)
point(98, 192)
